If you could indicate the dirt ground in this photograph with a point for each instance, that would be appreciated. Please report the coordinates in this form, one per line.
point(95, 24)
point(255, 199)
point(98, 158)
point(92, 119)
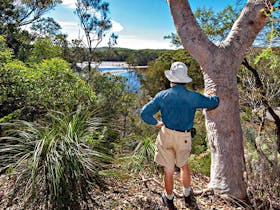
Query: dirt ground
point(140, 191)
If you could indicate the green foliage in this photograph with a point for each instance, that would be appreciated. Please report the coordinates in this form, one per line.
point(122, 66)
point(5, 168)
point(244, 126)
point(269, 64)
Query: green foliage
point(259, 88)
point(25, 12)
point(266, 64)
point(56, 162)
point(154, 79)
point(199, 142)
point(43, 48)
point(132, 57)
point(262, 160)
point(110, 90)
point(117, 104)
point(50, 84)
point(268, 56)
point(5, 53)
point(174, 39)
point(14, 15)
point(142, 57)
point(46, 27)
point(200, 163)
point(12, 116)
point(143, 154)
point(216, 25)
point(145, 149)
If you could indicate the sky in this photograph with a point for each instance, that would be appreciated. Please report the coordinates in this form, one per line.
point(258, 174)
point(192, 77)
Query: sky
point(140, 24)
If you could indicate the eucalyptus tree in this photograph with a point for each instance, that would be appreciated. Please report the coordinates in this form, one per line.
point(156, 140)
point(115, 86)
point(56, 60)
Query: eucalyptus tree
point(93, 15)
point(219, 63)
point(17, 13)
point(20, 13)
point(46, 27)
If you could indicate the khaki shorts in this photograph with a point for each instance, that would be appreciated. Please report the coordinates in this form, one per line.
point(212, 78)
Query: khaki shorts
point(172, 147)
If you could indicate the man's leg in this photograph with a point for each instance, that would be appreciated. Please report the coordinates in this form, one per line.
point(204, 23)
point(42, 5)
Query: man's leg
point(167, 196)
point(185, 176)
point(190, 201)
point(168, 180)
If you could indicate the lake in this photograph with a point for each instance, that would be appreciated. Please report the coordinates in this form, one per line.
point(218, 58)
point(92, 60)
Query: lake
point(118, 68)
point(133, 83)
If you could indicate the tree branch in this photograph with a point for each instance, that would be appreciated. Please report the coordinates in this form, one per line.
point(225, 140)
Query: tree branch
point(192, 37)
point(245, 29)
point(260, 86)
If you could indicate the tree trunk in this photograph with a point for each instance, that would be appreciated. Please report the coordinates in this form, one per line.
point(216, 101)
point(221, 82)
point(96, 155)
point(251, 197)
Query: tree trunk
point(225, 134)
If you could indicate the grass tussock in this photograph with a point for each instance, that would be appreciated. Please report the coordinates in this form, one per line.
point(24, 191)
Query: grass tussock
point(55, 163)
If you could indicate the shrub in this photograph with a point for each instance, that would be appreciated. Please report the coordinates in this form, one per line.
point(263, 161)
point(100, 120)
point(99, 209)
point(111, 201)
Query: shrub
point(50, 84)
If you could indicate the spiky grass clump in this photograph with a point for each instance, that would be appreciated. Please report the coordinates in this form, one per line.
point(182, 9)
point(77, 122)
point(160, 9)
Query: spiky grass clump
point(56, 163)
point(143, 154)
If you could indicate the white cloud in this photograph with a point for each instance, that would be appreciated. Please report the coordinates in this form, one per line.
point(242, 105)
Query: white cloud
point(71, 28)
point(74, 31)
point(116, 26)
point(69, 3)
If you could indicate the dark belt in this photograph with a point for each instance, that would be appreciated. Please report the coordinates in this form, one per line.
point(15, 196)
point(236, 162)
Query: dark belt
point(189, 130)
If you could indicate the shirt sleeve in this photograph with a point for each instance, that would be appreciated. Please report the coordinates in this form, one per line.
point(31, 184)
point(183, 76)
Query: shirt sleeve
point(148, 111)
point(209, 102)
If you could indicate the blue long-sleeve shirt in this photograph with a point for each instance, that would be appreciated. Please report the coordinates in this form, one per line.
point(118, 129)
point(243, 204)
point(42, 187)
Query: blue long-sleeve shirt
point(177, 106)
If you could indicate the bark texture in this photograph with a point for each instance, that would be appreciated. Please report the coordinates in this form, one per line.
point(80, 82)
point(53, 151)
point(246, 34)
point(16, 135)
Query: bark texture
point(219, 63)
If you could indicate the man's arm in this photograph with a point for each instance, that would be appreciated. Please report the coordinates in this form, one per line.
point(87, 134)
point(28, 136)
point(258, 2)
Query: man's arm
point(148, 111)
point(209, 102)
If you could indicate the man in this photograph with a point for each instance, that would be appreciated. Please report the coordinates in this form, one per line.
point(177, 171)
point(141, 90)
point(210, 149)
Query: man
point(173, 145)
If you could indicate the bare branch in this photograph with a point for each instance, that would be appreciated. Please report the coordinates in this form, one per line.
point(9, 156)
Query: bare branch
point(259, 84)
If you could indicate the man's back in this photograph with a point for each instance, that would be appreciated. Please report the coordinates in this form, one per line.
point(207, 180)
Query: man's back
point(177, 106)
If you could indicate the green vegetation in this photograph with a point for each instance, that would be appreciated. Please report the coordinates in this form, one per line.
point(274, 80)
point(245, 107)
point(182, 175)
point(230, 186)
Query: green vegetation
point(56, 163)
point(35, 89)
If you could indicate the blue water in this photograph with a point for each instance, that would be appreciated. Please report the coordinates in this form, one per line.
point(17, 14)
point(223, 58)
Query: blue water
point(111, 69)
point(133, 83)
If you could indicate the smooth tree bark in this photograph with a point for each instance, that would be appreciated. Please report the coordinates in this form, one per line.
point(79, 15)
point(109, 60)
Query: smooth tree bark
point(219, 63)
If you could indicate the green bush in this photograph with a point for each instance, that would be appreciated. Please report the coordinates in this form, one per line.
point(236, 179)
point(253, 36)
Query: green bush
point(43, 48)
point(5, 53)
point(50, 84)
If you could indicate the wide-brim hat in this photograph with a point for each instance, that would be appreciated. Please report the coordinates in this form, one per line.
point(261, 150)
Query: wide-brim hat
point(178, 73)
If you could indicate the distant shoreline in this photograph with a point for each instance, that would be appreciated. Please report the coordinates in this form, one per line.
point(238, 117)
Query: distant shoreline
point(111, 64)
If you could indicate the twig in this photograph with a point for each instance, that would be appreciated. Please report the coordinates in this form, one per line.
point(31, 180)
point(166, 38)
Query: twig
point(204, 192)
